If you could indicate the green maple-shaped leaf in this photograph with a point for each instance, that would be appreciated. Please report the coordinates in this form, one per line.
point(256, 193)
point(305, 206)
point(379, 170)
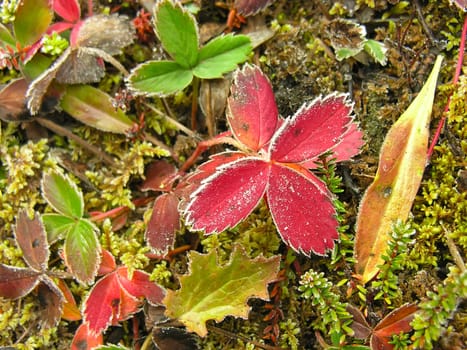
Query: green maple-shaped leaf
point(212, 291)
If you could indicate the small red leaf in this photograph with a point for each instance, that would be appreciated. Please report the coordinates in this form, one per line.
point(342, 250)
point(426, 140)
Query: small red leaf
point(16, 282)
point(251, 109)
point(140, 286)
point(32, 240)
point(69, 10)
point(228, 196)
point(107, 264)
point(84, 339)
point(159, 176)
point(127, 306)
point(164, 222)
point(102, 304)
point(302, 209)
point(359, 324)
point(316, 128)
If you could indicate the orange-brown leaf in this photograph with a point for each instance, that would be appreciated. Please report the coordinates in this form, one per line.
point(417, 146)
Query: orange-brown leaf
point(390, 196)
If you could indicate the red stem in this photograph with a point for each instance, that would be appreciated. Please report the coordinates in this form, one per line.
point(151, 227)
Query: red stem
point(460, 61)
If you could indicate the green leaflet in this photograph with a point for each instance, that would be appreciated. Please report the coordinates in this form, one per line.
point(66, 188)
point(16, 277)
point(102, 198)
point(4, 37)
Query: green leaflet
point(212, 292)
point(63, 195)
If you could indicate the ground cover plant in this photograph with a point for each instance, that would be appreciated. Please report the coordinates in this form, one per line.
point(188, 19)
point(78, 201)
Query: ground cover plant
point(232, 175)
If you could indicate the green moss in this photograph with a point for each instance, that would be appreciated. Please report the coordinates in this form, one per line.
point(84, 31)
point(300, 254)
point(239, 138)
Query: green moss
point(442, 200)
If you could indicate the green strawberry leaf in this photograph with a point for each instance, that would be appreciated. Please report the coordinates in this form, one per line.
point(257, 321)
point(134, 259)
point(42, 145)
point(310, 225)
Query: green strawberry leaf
point(377, 50)
point(345, 52)
point(83, 251)
point(212, 291)
point(94, 107)
point(221, 55)
point(62, 194)
point(57, 226)
point(31, 21)
point(159, 78)
point(178, 32)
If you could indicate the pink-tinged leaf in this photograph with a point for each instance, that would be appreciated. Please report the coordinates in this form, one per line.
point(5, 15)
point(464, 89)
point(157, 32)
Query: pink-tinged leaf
point(396, 322)
point(84, 339)
point(107, 264)
point(348, 147)
point(314, 129)
point(350, 144)
point(102, 304)
point(251, 108)
point(69, 10)
point(51, 301)
point(140, 286)
point(228, 196)
point(164, 223)
point(302, 210)
point(16, 282)
point(59, 27)
point(32, 240)
point(250, 7)
point(159, 176)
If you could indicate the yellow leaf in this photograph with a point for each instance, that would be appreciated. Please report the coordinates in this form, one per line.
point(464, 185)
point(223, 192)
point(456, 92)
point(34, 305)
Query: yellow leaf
point(401, 165)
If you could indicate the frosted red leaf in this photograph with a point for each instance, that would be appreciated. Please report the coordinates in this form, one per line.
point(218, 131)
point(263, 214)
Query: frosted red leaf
point(314, 129)
point(301, 209)
point(251, 110)
point(300, 204)
point(228, 196)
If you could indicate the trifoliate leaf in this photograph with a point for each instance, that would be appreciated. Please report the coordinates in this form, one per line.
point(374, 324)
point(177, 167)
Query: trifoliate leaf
point(211, 291)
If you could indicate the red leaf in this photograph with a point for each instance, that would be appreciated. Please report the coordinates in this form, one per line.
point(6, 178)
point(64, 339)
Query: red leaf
point(350, 144)
point(59, 27)
point(164, 222)
point(140, 286)
point(32, 240)
point(159, 176)
point(302, 209)
point(394, 323)
point(315, 128)
point(228, 196)
point(16, 282)
point(107, 263)
point(84, 339)
point(251, 109)
point(128, 305)
point(102, 304)
point(250, 7)
point(69, 10)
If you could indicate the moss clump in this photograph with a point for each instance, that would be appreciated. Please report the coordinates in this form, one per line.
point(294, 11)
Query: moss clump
point(443, 200)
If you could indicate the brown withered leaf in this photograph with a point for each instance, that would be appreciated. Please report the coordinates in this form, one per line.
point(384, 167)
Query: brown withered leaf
point(32, 239)
point(389, 198)
point(16, 282)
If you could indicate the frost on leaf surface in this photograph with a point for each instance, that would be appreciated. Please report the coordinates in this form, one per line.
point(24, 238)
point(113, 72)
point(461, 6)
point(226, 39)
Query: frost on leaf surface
point(301, 209)
point(211, 291)
point(313, 130)
point(252, 111)
point(228, 196)
point(277, 162)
